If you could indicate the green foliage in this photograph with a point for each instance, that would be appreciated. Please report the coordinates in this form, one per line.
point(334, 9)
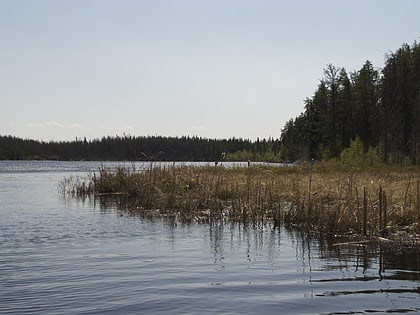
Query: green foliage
point(372, 157)
point(381, 107)
point(353, 155)
point(143, 148)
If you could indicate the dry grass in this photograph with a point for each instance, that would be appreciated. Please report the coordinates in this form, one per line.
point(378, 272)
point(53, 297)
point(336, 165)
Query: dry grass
point(321, 197)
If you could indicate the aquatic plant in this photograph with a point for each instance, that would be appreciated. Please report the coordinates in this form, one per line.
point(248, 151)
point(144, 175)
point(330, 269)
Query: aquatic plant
point(76, 186)
point(328, 198)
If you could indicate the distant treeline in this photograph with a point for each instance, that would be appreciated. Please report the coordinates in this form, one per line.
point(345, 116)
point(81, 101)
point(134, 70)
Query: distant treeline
point(156, 148)
point(367, 113)
point(380, 108)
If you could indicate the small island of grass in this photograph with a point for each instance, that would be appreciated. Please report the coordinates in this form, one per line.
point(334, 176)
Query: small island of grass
point(382, 202)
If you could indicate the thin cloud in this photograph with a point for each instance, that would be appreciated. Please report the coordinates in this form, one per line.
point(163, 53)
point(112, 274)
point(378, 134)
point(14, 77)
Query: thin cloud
point(53, 124)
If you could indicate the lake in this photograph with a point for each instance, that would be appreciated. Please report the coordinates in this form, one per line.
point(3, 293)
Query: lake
point(61, 255)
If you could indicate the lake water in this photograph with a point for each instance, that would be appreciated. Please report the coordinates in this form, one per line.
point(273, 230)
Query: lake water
point(67, 256)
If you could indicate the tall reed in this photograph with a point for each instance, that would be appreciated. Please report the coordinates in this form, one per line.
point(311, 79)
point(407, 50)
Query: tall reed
point(336, 200)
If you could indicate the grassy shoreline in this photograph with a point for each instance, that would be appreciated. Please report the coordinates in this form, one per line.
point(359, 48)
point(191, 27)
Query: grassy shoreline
point(322, 197)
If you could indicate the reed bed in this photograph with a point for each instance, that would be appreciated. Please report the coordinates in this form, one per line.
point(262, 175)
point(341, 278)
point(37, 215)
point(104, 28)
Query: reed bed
point(334, 200)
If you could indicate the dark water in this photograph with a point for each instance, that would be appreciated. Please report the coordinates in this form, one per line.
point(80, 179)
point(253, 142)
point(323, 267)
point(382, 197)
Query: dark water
point(64, 256)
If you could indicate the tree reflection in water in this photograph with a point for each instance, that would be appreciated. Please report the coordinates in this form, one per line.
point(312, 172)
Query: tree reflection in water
point(263, 241)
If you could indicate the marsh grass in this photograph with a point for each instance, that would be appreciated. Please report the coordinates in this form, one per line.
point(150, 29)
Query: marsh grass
point(75, 186)
point(326, 198)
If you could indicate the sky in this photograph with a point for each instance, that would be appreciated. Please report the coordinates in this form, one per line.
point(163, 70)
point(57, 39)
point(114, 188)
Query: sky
point(213, 69)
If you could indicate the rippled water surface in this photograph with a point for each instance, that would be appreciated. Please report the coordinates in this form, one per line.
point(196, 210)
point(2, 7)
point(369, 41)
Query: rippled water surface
point(66, 256)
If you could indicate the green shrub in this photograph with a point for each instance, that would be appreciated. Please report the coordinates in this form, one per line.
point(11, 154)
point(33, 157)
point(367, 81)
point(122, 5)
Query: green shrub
point(353, 155)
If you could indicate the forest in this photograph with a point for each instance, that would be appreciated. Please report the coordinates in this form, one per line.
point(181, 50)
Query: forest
point(375, 111)
point(148, 148)
point(379, 109)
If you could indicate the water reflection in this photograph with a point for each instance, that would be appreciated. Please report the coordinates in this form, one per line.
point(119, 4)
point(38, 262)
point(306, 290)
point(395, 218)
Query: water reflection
point(281, 260)
point(216, 232)
point(93, 255)
point(264, 237)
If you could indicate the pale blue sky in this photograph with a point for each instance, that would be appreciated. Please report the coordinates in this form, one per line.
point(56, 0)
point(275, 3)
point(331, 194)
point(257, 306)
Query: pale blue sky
point(215, 69)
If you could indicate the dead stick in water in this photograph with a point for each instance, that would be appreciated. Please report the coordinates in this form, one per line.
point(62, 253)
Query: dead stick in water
point(352, 243)
point(364, 211)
